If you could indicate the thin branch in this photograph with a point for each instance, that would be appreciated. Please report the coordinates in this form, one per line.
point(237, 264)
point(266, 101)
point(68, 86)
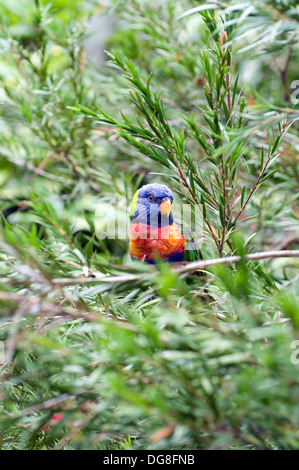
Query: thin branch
point(252, 191)
point(224, 193)
point(105, 279)
point(45, 405)
point(283, 74)
point(193, 266)
point(200, 265)
point(39, 171)
point(262, 173)
point(223, 39)
point(195, 199)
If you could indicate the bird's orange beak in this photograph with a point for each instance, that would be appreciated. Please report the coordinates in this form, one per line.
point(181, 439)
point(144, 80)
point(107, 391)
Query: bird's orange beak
point(165, 207)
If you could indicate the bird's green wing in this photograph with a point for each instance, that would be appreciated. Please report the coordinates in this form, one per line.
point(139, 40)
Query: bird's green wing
point(134, 204)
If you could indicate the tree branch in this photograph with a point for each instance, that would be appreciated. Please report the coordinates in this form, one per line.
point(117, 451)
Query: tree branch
point(200, 265)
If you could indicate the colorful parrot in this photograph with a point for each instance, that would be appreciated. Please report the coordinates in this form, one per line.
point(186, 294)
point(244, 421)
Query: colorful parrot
point(153, 233)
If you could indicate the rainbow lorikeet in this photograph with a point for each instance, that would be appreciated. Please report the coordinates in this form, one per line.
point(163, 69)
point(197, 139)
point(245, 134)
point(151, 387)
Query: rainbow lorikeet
point(153, 232)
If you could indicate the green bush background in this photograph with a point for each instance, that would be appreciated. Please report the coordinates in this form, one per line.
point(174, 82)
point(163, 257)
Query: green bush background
point(103, 353)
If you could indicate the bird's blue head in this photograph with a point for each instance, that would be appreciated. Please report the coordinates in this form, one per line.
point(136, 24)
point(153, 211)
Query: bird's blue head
point(151, 205)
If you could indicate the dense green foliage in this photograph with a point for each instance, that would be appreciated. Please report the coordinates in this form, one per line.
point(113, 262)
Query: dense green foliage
point(103, 353)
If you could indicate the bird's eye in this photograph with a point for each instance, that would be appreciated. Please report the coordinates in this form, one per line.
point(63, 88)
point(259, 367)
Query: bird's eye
point(150, 198)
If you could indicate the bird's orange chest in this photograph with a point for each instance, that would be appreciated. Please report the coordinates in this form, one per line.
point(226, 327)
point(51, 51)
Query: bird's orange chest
point(152, 241)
